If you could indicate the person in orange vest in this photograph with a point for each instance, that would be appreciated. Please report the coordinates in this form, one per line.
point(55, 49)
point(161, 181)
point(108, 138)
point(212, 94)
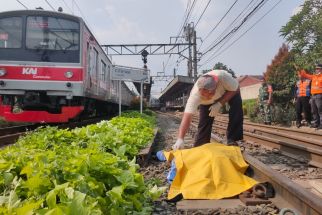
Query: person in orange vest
point(316, 92)
point(303, 87)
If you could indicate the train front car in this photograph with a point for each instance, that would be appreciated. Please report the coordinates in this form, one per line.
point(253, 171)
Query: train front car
point(41, 75)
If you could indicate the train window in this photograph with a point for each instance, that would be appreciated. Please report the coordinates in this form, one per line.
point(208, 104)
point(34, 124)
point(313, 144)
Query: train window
point(103, 71)
point(108, 72)
point(52, 33)
point(11, 32)
point(93, 62)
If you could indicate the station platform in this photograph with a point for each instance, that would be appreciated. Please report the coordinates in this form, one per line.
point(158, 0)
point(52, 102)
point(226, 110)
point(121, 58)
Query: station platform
point(175, 95)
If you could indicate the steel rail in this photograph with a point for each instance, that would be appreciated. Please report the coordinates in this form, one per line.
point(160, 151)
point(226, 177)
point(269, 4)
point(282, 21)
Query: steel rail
point(300, 145)
point(11, 134)
point(18, 128)
point(287, 193)
point(306, 153)
point(317, 135)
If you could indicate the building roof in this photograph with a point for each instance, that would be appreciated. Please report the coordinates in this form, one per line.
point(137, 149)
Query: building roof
point(248, 80)
point(177, 84)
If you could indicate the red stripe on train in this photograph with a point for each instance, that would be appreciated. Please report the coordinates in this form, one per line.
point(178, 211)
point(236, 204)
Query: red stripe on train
point(41, 73)
point(40, 116)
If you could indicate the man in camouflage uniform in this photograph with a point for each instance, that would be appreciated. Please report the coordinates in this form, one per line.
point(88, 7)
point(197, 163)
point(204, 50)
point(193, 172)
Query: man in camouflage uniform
point(265, 101)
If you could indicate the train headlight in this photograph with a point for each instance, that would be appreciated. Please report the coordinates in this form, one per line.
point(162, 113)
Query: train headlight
point(69, 74)
point(3, 72)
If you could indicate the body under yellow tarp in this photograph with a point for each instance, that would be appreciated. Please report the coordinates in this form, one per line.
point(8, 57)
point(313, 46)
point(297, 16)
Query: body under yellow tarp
point(210, 171)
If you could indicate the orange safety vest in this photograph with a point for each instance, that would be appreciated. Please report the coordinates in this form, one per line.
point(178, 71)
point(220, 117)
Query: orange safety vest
point(316, 84)
point(303, 88)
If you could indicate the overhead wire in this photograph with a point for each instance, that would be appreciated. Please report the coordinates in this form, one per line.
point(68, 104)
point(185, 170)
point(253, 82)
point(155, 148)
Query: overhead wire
point(235, 29)
point(184, 24)
point(231, 26)
point(188, 15)
point(212, 30)
point(50, 5)
point(228, 27)
point(215, 54)
point(22, 4)
point(80, 11)
point(68, 7)
point(185, 20)
point(252, 26)
point(181, 26)
point(204, 10)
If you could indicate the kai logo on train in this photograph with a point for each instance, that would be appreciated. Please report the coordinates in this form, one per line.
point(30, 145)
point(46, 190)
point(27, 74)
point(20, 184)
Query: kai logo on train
point(29, 71)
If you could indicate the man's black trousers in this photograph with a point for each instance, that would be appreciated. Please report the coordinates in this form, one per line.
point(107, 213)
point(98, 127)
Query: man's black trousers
point(235, 124)
point(303, 104)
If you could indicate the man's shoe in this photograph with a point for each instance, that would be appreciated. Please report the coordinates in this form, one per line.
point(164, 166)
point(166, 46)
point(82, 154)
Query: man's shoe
point(308, 124)
point(298, 124)
point(232, 143)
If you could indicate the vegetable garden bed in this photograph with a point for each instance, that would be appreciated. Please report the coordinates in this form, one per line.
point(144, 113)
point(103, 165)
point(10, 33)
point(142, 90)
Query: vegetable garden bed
point(88, 170)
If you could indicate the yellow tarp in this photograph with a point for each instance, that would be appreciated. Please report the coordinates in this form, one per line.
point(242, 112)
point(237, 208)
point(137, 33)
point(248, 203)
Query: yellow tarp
point(210, 171)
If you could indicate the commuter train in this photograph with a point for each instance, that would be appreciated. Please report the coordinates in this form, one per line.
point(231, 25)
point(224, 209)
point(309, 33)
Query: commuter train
point(52, 69)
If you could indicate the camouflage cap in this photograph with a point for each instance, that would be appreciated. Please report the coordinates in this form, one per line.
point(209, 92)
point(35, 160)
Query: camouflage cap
point(206, 82)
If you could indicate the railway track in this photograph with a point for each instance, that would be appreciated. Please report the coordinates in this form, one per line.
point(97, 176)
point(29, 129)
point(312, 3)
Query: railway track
point(288, 193)
point(303, 145)
point(300, 144)
point(10, 135)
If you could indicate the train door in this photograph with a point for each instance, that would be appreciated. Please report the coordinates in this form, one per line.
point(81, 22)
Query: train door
point(95, 72)
point(88, 70)
point(108, 81)
point(92, 69)
point(102, 82)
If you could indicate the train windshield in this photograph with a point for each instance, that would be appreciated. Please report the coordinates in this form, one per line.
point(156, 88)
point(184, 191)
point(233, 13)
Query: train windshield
point(11, 32)
point(51, 33)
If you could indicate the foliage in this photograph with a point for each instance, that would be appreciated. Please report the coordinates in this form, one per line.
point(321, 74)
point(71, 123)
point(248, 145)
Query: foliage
point(283, 114)
point(281, 74)
point(86, 170)
point(304, 32)
point(222, 66)
point(147, 115)
point(249, 107)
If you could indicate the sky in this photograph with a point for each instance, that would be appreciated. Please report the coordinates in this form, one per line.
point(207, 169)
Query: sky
point(155, 21)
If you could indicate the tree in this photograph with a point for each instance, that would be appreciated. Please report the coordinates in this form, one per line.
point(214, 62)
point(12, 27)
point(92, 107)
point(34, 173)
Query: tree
point(281, 74)
point(304, 33)
point(220, 65)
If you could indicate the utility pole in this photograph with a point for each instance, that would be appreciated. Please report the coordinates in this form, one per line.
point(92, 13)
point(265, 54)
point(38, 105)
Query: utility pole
point(191, 38)
point(188, 29)
point(195, 55)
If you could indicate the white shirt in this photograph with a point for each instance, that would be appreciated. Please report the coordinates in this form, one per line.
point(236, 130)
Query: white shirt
point(226, 82)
